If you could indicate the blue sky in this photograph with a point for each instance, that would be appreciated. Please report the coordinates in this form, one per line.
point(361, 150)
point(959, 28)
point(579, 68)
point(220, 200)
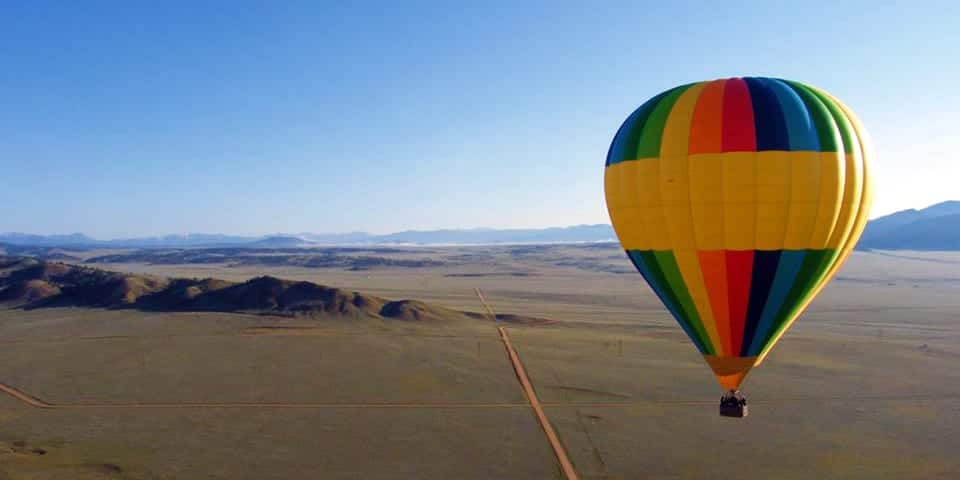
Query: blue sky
point(128, 118)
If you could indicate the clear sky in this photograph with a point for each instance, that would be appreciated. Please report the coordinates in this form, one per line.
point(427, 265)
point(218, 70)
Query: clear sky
point(141, 118)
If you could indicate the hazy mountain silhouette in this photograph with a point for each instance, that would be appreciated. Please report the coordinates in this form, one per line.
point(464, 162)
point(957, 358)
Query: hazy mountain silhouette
point(579, 233)
point(936, 227)
point(281, 241)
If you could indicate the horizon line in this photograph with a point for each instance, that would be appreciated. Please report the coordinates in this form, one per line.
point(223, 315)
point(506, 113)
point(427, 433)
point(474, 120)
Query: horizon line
point(297, 234)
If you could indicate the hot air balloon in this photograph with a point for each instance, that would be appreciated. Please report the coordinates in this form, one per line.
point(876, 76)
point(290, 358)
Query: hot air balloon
point(737, 200)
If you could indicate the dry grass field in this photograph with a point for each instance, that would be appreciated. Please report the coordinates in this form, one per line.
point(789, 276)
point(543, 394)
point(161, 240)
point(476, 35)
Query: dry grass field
point(866, 384)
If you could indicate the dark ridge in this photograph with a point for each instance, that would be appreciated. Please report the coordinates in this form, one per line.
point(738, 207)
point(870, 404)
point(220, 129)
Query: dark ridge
point(41, 252)
point(15, 263)
point(29, 291)
point(416, 311)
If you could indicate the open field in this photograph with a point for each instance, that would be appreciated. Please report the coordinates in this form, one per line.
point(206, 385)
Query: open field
point(866, 385)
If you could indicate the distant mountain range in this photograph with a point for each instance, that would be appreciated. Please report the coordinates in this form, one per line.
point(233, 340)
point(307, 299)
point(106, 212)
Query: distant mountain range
point(933, 228)
point(81, 240)
point(579, 233)
point(936, 227)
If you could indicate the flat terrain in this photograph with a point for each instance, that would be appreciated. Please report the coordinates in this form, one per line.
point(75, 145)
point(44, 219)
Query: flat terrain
point(866, 385)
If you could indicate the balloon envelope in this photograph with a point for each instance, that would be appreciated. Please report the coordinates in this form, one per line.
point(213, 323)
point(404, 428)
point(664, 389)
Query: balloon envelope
point(737, 200)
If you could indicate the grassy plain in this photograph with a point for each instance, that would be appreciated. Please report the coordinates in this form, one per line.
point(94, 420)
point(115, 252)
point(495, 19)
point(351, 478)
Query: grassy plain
point(865, 385)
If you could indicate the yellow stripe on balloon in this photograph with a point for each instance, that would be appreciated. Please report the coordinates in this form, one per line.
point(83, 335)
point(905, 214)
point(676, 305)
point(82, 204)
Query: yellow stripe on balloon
point(633, 201)
point(675, 192)
point(739, 174)
point(676, 131)
point(766, 200)
point(866, 150)
point(804, 199)
point(852, 196)
point(854, 181)
point(688, 261)
point(832, 178)
point(611, 189)
point(773, 198)
point(674, 170)
point(706, 200)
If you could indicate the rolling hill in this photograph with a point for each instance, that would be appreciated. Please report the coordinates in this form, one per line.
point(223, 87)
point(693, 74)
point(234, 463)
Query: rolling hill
point(30, 283)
